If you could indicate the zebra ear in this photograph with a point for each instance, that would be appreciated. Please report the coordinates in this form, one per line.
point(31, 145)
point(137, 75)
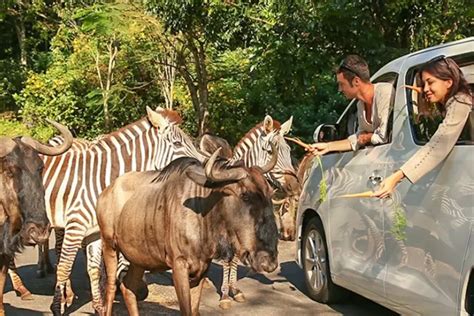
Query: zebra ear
point(156, 119)
point(268, 124)
point(286, 127)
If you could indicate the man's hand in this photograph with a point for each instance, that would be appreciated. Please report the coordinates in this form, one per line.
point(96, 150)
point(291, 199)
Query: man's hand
point(389, 184)
point(318, 149)
point(364, 138)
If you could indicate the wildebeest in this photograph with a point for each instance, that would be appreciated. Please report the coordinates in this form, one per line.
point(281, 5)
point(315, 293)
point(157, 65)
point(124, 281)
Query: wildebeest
point(23, 219)
point(252, 150)
point(184, 217)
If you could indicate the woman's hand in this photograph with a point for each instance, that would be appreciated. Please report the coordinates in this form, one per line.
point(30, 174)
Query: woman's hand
point(318, 149)
point(389, 184)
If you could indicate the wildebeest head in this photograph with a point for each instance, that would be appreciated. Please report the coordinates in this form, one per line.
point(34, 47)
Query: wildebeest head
point(247, 209)
point(22, 205)
point(178, 143)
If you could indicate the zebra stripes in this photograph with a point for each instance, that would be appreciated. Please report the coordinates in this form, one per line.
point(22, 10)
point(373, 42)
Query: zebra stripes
point(74, 180)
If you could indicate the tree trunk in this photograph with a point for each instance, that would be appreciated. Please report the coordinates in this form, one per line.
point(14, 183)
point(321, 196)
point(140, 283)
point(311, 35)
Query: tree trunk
point(198, 88)
point(21, 36)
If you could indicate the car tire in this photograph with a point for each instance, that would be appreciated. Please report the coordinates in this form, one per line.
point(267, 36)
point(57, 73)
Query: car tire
point(317, 275)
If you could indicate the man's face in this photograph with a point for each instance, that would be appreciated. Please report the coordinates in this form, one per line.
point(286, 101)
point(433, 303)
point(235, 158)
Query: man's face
point(344, 86)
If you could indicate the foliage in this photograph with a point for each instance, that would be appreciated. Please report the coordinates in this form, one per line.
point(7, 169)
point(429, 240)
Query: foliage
point(238, 60)
point(13, 128)
point(399, 223)
point(323, 186)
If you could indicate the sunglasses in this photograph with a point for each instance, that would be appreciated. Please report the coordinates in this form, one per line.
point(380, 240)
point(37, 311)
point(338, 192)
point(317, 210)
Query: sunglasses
point(345, 66)
point(440, 58)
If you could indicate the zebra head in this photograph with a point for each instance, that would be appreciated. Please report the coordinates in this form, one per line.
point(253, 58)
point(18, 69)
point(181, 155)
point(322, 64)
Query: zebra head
point(273, 134)
point(173, 142)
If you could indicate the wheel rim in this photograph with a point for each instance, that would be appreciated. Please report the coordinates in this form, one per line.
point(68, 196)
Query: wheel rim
point(315, 261)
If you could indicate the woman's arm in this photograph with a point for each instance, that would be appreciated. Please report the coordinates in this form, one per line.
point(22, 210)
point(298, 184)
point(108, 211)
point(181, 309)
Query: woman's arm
point(441, 143)
point(436, 150)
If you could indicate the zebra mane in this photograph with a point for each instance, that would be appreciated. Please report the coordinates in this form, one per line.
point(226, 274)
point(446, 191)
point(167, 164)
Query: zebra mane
point(256, 130)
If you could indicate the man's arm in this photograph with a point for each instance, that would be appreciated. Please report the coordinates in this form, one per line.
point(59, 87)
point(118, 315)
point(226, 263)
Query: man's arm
point(324, 148)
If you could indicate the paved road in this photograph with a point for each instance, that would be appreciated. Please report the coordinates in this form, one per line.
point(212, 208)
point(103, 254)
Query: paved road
point(279, 293)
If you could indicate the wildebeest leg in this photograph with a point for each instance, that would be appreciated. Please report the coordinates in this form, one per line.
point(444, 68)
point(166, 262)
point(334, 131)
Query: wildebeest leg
point(17, 284)
point(4, 261)
point(225, 300)
point(130, 286)
point(196, 297)
point(181, 285)
point(44, 263)
point(233, 290)
point(110, 260)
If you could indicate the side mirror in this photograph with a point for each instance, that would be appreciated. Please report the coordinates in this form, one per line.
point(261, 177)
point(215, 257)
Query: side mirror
point(325, 133)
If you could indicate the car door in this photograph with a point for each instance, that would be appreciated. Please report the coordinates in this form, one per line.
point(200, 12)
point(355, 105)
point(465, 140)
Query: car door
point(356, 225)
point(428, 228)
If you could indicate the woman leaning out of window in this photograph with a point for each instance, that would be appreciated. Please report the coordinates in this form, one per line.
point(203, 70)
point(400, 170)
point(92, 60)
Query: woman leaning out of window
point(443, 83)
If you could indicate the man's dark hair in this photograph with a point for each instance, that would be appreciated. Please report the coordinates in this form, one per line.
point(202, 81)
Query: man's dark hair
point(354, 66)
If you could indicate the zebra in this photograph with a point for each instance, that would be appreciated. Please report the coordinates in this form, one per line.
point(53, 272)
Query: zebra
point(254, 150)
point(74, 180)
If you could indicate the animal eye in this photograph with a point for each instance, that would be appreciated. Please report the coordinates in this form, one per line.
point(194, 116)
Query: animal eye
point(177, 143)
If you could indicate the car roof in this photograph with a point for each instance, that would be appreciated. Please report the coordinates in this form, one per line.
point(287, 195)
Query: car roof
point(396, 64)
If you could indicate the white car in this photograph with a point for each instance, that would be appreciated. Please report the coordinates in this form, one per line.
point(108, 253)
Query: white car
point(414, 252)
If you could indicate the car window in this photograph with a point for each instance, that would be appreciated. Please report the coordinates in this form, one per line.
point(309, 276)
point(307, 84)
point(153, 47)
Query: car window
point(425, 118)
point(348, 124)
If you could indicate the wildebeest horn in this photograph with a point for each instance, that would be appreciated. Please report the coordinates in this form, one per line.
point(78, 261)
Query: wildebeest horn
point(222, 174)
point(49, 150)
point(271, 164)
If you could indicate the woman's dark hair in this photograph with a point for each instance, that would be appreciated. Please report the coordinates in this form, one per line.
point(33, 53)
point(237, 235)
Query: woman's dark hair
point(446, 69)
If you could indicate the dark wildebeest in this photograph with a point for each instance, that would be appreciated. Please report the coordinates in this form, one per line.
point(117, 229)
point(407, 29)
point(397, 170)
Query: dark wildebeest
point(184, 217)
point(23, 220)
point(252, 150)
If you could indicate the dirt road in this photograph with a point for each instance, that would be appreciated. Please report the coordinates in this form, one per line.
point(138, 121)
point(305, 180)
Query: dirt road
point(279, 293)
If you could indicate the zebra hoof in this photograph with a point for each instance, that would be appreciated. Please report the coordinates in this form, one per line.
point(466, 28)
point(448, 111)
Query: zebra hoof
point(23, 293)
point(225, 303)
point(239, 297)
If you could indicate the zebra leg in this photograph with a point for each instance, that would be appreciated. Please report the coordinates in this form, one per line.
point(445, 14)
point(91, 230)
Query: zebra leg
point(17, 284)
point(63, 294)
point(225, 300)
point(95, 271)
point(237, 294)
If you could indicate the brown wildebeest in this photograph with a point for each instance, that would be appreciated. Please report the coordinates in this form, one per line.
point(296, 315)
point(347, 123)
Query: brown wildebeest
point(23, 220)
point(184, 217)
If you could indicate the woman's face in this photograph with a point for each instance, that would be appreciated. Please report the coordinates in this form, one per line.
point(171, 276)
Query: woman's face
point(435, 89)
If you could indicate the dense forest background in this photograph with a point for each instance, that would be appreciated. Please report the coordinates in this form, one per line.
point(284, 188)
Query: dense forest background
point(222, 64)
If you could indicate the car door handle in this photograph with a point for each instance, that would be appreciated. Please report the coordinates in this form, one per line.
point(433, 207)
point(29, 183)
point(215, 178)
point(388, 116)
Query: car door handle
point(375, 178)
